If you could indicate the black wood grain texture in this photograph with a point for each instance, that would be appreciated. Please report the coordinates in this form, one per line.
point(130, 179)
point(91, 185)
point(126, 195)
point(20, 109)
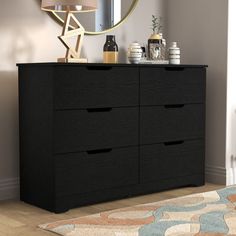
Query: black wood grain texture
point(36, 118)
point(166, 124)
point(96, 171)
point(92, 87)
point(63, 203)
point(162, 86)
point(162, 161)
point(81, 130)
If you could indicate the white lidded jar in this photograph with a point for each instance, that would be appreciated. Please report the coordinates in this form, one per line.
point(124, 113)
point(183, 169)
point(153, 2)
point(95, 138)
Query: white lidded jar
point(134, 53)
point(174, 54)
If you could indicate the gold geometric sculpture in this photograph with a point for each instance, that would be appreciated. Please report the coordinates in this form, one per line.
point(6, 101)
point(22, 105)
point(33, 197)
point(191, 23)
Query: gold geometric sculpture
point(71, 6)
point(72, 54)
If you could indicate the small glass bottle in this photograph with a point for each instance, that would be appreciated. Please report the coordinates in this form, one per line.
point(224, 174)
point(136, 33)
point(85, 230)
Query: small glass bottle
point(110, 50)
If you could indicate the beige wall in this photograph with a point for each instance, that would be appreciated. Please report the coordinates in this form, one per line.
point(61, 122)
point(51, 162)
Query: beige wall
point(200, 28)
point(30, 35)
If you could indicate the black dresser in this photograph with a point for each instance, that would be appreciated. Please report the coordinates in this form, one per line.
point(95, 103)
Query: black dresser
point(98, 132)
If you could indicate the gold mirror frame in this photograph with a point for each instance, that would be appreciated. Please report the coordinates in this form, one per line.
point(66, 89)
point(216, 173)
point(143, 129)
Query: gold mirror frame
point(58, 19)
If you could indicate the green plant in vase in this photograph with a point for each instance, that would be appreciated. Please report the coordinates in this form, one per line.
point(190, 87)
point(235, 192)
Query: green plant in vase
point(156, 25)
point(155, 41)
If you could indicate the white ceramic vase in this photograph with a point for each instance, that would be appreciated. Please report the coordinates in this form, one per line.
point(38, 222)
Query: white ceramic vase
point(174, 54)
point(134, 53)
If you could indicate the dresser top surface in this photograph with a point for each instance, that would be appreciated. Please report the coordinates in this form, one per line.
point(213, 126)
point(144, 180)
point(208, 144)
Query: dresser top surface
point(110, 65)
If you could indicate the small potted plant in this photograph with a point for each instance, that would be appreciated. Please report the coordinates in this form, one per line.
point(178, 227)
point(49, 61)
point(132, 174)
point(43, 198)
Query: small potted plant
point(156, 26)
point(155, 40)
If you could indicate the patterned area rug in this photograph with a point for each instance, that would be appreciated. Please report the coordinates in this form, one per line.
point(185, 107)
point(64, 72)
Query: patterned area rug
point(205, 214)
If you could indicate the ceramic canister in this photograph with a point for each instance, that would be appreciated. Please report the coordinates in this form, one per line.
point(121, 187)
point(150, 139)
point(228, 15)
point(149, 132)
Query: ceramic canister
point(174, 54)
point(134, 53)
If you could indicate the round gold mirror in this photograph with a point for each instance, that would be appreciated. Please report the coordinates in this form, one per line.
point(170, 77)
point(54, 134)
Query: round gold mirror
point(109, 15)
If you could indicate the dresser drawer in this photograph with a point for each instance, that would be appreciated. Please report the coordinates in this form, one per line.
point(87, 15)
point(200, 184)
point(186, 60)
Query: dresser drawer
point(82, 130)
point(171, 160)
point(170, 123)
point(96, 86)
point(91, 171)
point(170, 85)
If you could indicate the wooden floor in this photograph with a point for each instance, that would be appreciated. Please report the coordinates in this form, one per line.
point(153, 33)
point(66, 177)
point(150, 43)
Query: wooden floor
point(20, 219)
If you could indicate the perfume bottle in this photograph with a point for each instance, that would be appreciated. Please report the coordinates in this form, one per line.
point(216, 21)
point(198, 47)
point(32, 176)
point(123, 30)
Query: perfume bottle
point(110, 50)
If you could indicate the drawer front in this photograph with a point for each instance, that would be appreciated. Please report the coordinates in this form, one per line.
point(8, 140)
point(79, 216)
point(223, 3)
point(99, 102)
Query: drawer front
point(169, 123)
point(160, 86)
point(93, 171)
point(92, 87)
point(82, 130)
point(164, 161)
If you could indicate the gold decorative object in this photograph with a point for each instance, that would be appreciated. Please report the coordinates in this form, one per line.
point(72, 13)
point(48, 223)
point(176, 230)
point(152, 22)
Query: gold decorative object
point(70, 7)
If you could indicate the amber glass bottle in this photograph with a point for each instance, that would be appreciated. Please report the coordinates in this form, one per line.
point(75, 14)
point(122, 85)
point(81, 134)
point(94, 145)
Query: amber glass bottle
point(110, 50)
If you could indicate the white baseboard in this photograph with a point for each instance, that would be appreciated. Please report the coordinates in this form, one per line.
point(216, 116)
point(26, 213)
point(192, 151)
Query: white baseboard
point(9, 189)
point(215, 174)
point(231, 176)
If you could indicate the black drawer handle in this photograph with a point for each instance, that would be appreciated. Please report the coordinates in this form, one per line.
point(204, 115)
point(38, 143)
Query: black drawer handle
point(99, 67)
point(171, 106)
point(93, 152)
point(173, 143)
point(105, 109)
point(174, 68)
